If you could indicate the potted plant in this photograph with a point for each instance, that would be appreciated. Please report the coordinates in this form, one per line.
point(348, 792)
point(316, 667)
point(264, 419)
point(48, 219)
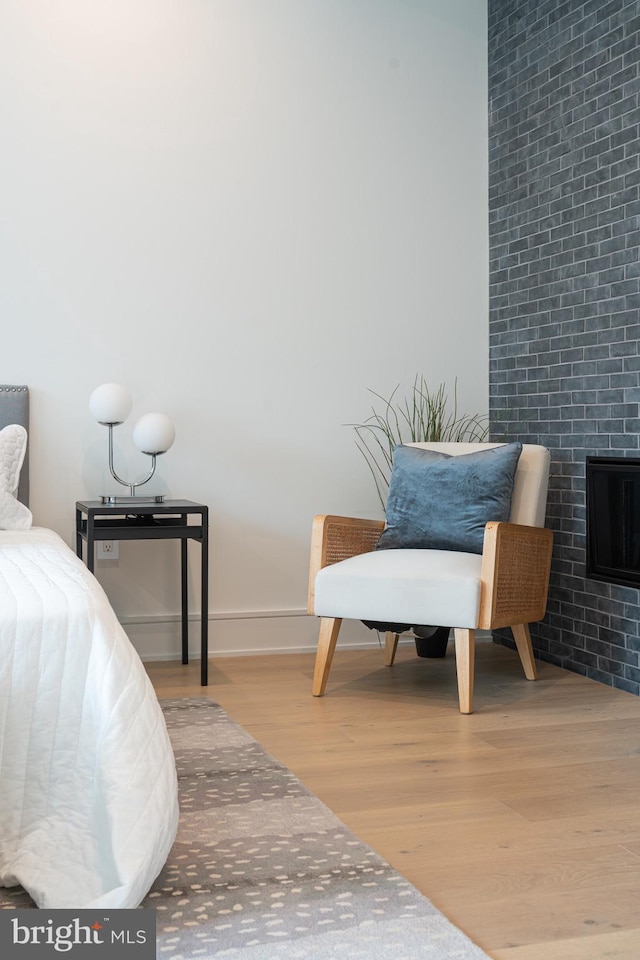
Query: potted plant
point(422, 415)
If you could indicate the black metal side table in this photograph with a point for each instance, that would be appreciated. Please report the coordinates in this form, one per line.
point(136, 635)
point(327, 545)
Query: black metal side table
point(168, 520)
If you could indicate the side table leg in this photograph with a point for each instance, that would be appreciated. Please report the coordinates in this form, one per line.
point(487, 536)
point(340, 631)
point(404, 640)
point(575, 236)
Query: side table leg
point(78, 533)
point(185, 601)
point(91, 545)
point(204, 613)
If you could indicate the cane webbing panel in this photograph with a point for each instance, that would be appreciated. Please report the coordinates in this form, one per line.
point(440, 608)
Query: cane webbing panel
point(345, 540)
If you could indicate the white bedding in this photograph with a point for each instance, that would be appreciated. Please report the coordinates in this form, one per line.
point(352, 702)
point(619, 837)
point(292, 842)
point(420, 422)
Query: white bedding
point(88, 790)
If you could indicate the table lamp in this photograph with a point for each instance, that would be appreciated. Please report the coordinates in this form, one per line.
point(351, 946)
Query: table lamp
point(153, 434)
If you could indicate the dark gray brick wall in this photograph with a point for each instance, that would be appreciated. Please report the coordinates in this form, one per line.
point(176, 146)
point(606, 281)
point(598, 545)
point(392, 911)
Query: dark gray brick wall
point(564, 211)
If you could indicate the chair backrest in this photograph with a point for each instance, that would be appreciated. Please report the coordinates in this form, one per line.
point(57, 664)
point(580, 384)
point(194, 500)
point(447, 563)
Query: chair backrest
point(529, 501)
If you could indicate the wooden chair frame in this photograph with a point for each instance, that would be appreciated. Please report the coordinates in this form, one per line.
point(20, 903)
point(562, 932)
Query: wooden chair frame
point(516, 563)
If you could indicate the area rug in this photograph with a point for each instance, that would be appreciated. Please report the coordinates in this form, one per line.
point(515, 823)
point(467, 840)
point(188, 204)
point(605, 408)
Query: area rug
point(262, 870)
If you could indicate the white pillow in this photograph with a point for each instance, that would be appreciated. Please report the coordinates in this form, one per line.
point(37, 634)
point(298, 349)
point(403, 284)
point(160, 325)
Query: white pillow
point(13, 446)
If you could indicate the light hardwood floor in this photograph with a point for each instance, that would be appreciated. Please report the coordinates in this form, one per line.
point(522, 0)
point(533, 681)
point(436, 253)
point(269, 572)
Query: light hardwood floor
point(520, 822)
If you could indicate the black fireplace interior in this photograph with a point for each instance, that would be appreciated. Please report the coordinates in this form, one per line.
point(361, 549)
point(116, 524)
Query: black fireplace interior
point(613, 519)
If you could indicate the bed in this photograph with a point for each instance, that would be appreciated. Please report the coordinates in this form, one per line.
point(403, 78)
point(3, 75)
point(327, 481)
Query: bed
point(88, 788)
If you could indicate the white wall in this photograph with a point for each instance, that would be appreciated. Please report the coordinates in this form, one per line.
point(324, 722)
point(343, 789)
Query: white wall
point(249, 212)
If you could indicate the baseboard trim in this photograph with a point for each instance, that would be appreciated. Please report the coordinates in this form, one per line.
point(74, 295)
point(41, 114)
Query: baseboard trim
point(216, 615)
point(240, 633)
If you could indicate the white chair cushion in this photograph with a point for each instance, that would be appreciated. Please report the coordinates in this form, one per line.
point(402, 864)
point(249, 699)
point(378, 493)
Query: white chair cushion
point(430, 587)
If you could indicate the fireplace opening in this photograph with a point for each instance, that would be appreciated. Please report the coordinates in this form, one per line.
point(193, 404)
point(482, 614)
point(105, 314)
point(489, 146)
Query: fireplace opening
point(613, 520)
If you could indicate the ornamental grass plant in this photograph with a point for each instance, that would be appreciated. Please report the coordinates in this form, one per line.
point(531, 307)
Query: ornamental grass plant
point(422, 415)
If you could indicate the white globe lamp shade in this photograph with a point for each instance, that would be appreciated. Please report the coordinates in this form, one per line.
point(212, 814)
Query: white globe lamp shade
point(154, 433)
point(110, 403)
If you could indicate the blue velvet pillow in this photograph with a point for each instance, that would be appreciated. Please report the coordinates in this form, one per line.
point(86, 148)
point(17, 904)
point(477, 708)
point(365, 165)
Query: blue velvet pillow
point(439, 502)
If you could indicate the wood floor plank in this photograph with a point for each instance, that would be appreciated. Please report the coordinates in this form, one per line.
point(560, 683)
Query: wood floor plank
point(545, 919)
point(486, 830)
point(505, 873)
point(619, 945)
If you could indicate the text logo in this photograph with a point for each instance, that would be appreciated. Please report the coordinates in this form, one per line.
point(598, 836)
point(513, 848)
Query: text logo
point(32, 934)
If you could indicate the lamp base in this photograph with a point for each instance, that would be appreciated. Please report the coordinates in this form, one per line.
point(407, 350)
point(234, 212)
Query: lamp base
point(159, 498)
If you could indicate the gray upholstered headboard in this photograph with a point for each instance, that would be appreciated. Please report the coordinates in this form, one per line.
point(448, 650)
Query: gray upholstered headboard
point(14, 408)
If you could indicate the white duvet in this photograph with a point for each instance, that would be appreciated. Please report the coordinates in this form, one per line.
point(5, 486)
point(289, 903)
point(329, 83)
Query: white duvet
point(88, 790)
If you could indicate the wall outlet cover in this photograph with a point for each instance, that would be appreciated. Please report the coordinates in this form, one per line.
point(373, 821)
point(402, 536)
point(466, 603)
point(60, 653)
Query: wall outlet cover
point(107, 550)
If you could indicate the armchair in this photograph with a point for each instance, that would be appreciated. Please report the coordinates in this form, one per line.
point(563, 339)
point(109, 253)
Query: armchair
point(504, 585)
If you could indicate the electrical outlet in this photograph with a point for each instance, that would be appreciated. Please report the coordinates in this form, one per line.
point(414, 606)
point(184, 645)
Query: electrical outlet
point(107, 549)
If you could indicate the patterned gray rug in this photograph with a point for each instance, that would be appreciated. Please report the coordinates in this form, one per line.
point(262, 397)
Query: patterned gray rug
point(262, 870)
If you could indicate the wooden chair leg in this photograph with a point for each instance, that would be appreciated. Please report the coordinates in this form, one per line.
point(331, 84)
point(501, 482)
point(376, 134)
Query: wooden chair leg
point(329, 630)
point(390, 647)
point(523, 643)
point(465, 664)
